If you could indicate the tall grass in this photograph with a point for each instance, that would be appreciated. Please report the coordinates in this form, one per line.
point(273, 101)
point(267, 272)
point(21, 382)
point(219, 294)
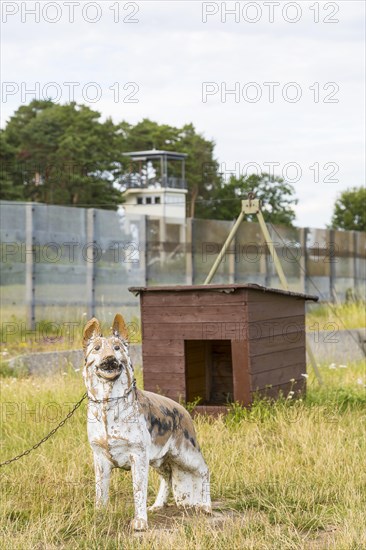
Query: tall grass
point(288, 475)
point(348, 315)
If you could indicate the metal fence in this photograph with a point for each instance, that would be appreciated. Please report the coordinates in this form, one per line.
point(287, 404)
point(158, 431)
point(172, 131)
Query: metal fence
point(70, 263)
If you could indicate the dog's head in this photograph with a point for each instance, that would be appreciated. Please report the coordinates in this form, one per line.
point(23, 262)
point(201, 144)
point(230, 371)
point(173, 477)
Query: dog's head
point(106, 357)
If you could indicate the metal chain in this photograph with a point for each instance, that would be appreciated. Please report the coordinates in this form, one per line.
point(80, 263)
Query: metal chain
point(108, 399)
point(24, 453)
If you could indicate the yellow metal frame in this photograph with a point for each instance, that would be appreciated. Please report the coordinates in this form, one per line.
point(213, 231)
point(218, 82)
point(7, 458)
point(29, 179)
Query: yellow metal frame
point(253, 206)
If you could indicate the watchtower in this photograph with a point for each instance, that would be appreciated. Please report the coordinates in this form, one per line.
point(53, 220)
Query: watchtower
point(156, 186)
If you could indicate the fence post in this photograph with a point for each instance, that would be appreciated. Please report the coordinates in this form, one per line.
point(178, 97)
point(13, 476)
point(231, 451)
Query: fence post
point(30, 279)
point(332, 266)
point(355, 263)
point(90, 263)
point(304, 231)
point(146, 251)
point(268, 260)
point(232, 261)
point(142, 247)
point(162, 241)
point(189, 251)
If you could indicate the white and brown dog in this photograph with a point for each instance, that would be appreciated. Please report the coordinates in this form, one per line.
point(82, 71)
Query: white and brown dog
point(129, 428)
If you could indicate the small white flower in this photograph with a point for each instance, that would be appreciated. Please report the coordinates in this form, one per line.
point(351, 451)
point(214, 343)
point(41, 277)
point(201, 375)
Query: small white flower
point(360, 381)
point(77, 370)
point(289, 396)
point(342, 366)
point(292, 379)
point(64, 374)
point(305, 374)
point(332, 366)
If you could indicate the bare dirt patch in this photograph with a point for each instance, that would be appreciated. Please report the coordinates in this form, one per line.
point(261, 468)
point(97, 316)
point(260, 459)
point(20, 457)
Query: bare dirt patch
point(165, 523)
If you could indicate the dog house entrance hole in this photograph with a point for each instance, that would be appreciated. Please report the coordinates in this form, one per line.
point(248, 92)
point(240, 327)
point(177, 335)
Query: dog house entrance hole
point(209, 371)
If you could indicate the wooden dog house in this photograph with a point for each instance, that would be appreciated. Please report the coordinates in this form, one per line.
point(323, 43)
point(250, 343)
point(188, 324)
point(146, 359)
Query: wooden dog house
point(222, 343)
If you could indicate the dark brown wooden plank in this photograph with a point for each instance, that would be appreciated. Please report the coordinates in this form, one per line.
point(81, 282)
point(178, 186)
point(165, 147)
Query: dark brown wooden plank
point(207, 313)
point(164, 382)
point(215, 330)
point(277, 377)
point(280, 359)
point(194, 331)
point(241, 377)
point(259, 296)
point(274, 309)
point(166, 365)
point(275, 326)
point(281, 342)
point(159, 348)
point(192, 298)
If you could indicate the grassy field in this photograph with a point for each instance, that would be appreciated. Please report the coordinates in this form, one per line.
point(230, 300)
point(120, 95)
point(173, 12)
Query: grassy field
point(290, 475)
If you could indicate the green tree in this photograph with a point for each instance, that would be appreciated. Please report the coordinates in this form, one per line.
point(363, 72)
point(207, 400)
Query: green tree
point(21, 118)
point(11, 187)
point(350, 210)
point(277, 198)
point(203, 177)
point(64, 154)
point(146, 135)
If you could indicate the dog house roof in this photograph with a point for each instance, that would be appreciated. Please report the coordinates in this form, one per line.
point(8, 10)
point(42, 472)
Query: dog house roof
point(228, 288)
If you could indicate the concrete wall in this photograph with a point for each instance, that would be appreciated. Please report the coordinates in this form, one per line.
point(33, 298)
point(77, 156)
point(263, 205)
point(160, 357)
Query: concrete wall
point(339, 347)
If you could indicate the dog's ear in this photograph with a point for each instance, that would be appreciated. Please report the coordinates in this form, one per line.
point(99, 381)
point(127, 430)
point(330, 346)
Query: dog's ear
point(119, 327)
point(91, 330)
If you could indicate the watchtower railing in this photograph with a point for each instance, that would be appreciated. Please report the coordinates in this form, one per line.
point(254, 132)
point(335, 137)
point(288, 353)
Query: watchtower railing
point(135, 181)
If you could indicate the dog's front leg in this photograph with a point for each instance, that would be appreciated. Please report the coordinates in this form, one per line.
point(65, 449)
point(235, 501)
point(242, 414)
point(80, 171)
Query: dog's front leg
point(102, 477)
point(140, 475)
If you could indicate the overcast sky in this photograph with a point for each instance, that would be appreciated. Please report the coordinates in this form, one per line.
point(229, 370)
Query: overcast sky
point(296, 70)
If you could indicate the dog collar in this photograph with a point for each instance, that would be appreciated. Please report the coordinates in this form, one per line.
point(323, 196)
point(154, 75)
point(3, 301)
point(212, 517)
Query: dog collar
point(107, 399)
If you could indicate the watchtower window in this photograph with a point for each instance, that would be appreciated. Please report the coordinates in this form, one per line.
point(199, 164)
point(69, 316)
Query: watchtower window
point(140, 200)
point(148, 200)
